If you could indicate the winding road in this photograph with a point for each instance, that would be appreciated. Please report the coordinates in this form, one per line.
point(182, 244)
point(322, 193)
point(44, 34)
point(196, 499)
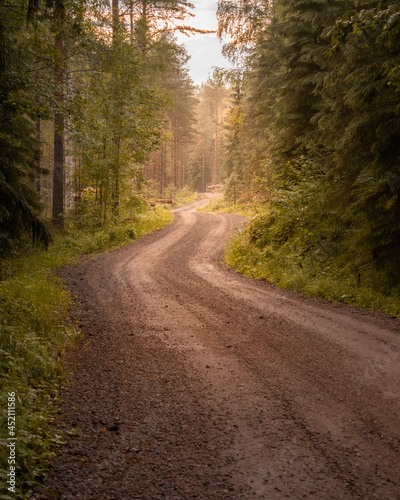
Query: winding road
point(192, 381)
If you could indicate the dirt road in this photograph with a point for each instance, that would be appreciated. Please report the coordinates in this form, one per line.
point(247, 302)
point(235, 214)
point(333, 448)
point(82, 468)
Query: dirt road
point(195, 382)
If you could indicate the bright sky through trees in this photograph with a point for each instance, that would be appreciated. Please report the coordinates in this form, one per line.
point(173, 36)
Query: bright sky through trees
point(204, 50)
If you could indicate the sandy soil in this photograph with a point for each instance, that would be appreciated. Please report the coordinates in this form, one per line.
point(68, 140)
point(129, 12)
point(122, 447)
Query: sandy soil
point(195, 382)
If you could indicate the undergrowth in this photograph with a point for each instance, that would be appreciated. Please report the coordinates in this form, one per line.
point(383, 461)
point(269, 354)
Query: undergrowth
point(184, 196)
point(35, 330)
point(181, 197)
point(330, 280)
point(299, 240)
point(224, 206)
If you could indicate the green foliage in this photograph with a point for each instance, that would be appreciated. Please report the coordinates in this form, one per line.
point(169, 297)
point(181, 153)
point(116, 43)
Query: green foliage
point(33, 308)
point(113, 107)
point(170, 164)
point(185, 196)
point(233, 188)
point(241, 21)
point(222, 205)
point(34, 330)
point(234, 126)
point(319, 139)
point(364, 102)
point(170, 190)
point(19, 148)
point(338, 280)
point(209, 152)
point(153, 18)
point(302, 243)
point(116, 233)
point(117, 124)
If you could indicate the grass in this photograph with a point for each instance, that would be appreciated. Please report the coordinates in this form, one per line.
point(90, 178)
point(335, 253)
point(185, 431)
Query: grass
point(332, 280)
point(184, 196)
point(221, 205)
point(181, 197)
point(34, 331)
point(296, 240)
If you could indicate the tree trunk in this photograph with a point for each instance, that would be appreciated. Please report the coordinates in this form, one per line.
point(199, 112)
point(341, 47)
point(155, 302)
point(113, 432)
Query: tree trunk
point(115, 187)
point(116, 141)
point(215, 179)
point(131, 22)
point(115, 15)
point(58, 171)
point(204, 177)
point(37, 162)
point(143, 29)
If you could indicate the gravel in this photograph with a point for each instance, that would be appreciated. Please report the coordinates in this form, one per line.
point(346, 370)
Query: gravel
point(193, 382)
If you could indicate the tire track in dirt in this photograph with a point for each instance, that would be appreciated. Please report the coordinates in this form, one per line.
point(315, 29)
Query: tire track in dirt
point(195, 382)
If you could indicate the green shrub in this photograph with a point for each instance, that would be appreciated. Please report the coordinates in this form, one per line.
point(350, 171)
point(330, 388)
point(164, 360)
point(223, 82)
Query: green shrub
point(185, 196)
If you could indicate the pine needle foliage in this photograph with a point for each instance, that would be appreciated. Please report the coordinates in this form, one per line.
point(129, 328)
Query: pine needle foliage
point(365, 103)
point(321, 89)
point(19, 149)
point(299, 241)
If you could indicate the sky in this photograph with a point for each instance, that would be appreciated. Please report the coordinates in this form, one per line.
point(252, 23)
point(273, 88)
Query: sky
point(204, 50)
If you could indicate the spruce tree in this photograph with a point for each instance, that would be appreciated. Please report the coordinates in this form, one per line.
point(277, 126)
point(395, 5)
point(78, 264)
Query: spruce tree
point(19, 149)
point(361, 125)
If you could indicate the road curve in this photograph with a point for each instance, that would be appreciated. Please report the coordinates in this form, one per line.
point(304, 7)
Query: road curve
point(195, 382)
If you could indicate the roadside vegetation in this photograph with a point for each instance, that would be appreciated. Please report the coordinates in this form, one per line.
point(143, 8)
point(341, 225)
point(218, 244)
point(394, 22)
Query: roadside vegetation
point(298, 240)
point(311, 254)
point(319, 274)
point(225, 206)
point(295, 240)
point(35, 329)
point(99, 114)
point(172, 197)
point(184, 196)
point(312, 142)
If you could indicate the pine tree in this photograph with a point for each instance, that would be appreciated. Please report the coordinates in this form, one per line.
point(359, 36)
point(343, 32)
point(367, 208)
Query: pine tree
point(362, 92)
point(285, 70)
point(19, 149)
point(149, 19)
point(117, 121)
point(166, 63)
point(234, 127)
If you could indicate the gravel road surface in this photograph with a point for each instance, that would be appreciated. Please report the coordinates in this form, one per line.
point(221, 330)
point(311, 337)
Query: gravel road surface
point(195, 382)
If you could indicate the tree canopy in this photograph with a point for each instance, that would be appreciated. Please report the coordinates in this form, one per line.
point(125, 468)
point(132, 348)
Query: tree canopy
point(321, 88)
point(88, 93)
point(98, 99)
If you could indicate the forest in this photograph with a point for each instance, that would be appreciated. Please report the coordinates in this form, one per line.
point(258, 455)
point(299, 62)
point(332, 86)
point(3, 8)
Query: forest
point(314, 138)
point(99, 116)
point(99, 113)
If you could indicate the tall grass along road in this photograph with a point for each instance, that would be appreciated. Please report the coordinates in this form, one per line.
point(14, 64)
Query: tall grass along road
point(195, 382)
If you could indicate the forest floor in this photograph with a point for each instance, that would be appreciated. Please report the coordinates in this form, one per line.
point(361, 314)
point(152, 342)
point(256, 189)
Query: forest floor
point(192, 381)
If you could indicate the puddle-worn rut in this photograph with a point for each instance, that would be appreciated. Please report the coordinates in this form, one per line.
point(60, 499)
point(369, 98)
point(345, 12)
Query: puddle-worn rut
point(195, 382)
